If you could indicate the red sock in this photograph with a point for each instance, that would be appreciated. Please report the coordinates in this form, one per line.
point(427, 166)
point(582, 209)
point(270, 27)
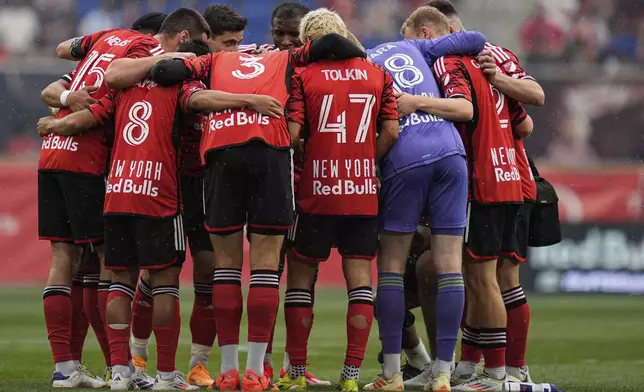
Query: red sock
point(90, 307)
point(262, 303)
point(142, 311)
point(269, 348)
point(493, 342)
point(202, 319)
point(119, 338)
point(80, 325)
point(518, 326)
point(57, 304)
point(167, 336)
point(103, 291)
point(470, 350)
point(358, 328)
point(227, 304)
point(298, 313)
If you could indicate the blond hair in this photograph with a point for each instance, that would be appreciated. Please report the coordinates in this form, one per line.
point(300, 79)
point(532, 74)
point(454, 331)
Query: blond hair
point(321, 22)
point(355, 40)
point(403, 28)
point(428, 17)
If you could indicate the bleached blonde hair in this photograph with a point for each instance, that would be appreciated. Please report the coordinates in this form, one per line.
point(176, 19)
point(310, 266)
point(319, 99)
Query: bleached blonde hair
point(355, 40)
point(319, 22)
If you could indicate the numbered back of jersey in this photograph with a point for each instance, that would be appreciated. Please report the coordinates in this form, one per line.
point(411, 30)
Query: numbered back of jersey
point(407, 67)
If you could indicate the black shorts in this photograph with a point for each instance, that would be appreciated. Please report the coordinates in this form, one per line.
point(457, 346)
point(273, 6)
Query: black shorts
point(70, 207)
point(149, 243)
point(356, 236)
point(90, 262)
point(193, 215)
point(516, 247)
point(491, 230)
point(249, 184)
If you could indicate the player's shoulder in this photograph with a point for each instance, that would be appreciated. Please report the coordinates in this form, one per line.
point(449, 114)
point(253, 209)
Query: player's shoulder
point(371, 66)
point(500, 54)
point(445, 63)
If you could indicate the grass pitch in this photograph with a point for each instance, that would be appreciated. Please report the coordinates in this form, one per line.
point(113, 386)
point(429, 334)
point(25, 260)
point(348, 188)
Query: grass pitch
point(581, 343)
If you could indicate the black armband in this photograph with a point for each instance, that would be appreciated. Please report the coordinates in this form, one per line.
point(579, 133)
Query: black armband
point(334, 46)
point(76, 48)
point(170, 72)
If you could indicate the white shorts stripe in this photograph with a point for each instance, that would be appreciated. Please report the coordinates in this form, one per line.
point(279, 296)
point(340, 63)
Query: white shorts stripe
point(467, 228)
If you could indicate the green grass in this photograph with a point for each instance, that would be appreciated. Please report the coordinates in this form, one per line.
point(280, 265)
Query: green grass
point(580, 343)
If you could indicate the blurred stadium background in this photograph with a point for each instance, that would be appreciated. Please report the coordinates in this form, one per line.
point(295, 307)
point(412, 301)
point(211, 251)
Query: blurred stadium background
point(588, 141)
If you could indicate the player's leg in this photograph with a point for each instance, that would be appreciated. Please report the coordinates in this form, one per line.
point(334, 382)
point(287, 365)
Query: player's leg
point(357, 243)
point(516, 305)
point(90, 299)
point(268, 357)
point(270, 215)
point(142, 309)
point(225, 197)
point(80, 325)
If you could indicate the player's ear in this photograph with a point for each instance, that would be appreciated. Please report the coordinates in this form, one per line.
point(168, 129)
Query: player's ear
point(424, 31)
point(184, 36)
point(451, 29)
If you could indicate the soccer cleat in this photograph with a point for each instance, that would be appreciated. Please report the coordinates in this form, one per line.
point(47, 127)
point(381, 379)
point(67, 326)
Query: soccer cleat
point(178, 383)
point(227, 382)
point(314, 381)
point(481, 382)
point(253, 382)
point(74, 380)
point(382, 384)
point(521, 374)
point(90, 380)
point(199, 376)
point(140, 363)
point(409, 371)
point(420, 380)
point(142, 380)
point(107, 375)
point(287, 383)
point(438, 383)
point(268, 371)
point(121, 382)
point(460, 376)
point(348, 386)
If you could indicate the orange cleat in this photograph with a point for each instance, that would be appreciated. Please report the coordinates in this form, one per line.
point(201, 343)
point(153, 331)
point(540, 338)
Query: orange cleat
point(255, 383)
point(199, 376)
point(268, 371)
point(226, 382)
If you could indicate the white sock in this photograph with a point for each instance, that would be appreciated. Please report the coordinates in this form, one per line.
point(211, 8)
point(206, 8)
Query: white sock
point(131, 367)
point(391, 365)
point(165, 376)
point(255, 358)
point(66, 367)
point(199, 354)
point(441, 367)
point(287, 362)
point(139, 347)
point(496, 373)
point(229, 357)
point(125, 371)
point(417, 356)
point(268, 359)
point(77, 363)
point(465, 367)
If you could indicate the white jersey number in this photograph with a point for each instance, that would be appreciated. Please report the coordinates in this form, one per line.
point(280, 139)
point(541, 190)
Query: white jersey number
point(499, 98)
point(139, 114)
point(250, 62)
point(340, 126)
point(397, 64)
point(95, 64)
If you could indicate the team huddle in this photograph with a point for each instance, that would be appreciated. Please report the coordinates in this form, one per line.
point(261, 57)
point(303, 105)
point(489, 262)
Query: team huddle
point(173, 134)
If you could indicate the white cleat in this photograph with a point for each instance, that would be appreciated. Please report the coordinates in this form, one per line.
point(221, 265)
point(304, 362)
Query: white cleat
point(521, 374)
point(420, 380)
point(178, 383)
point(142, 380)
point(91, 380)
point(480, 383)
point(74, 380)
point(121, 382)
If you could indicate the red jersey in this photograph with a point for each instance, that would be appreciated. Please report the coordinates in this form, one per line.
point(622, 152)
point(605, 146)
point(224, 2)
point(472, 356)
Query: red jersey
point(509, 64)
point(342, 102)
point(144, 167)
point(488, 139)
point(87, 152)
point(241, 73)
point(190, 141)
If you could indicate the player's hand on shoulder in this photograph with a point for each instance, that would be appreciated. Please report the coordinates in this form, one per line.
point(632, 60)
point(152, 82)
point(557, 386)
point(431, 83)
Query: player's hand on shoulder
point(44, 126)
point(177, 55)
point(487, 63)
point(267, 105)
point(407, 104)
point(81, 99)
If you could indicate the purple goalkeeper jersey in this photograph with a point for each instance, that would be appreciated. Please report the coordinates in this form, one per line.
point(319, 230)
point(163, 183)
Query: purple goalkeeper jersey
point(424, 138)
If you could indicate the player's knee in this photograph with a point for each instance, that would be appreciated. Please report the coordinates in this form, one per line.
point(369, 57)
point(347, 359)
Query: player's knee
point(357, 273)
point(507, 275)
point(300, 273)
point(203, 267)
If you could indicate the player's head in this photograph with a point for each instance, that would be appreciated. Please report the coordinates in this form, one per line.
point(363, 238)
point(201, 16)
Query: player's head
point(447, 8)
point(195, 46)
point(321, 22)
point(181, 25)
point(285, 25)
point(149, 23)
point(227, 27)
point(426, 22)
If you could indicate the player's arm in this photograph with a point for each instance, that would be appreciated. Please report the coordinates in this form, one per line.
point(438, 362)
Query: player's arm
point(97, 114)
point(173, 71)
point(454, 82)
point(521, 122)
point(510, 78)
point(460, 43)
point(296, 111)
point(51, 95)
point(451, 109)
point(388, 126)
point(57, 95)
point(76, 49)
point(326, 47)
point(126, 72)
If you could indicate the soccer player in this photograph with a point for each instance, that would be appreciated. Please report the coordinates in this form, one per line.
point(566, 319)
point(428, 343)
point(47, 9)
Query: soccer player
point(342, 104)
point(143, 220)
point(247, 181)
point(285, 25)
point(227, 27)
point(495, 190)
point(425, 171)
point(515, 83)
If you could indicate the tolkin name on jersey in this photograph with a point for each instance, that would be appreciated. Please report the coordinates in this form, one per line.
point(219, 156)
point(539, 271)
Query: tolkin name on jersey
point(504, 161)
point(137, 177)
point(236, 118)
point(57, 142)
point(344, 74)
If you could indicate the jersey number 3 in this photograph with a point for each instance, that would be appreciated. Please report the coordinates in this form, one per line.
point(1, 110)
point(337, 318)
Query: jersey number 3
point(340, 126)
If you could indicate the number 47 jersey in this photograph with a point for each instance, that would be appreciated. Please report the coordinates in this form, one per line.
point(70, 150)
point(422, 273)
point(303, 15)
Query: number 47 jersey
point(342, 103)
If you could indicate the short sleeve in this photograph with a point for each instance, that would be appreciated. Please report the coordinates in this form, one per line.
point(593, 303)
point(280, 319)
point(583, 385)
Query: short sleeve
point(517, 112)
point(452, 78)
point(508, 62)
point(187, 89)
point(296, 106)
point(300, 57)
point(388, 107)
point(104, 109)
point(146, 46)
point(199, 68)
point(67, 77)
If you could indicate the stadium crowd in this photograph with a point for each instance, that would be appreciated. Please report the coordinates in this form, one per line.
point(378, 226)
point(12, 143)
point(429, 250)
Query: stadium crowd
point(173, 134)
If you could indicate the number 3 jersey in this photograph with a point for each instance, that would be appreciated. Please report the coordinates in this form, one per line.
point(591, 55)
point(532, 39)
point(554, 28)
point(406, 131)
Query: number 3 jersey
point(148, 120)
point(341, 102)
point(87, 152)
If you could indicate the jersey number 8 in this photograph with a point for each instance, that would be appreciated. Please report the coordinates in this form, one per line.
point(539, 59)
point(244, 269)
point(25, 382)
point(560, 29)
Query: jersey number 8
point(400, 66)
point(139, 114)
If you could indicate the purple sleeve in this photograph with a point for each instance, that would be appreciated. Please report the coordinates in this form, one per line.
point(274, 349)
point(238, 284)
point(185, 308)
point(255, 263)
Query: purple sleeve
point(464, 43)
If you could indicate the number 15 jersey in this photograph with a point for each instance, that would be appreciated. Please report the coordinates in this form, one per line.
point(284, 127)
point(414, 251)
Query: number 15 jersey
point(342, 103)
